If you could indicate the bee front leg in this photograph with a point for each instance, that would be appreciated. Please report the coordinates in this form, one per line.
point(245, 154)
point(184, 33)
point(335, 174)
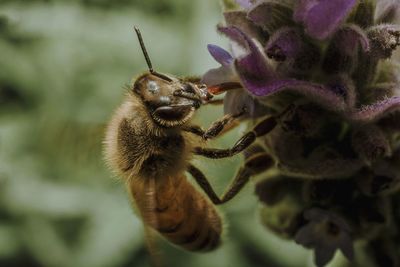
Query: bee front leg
point(254, 165)
point(224, 124)
point(261, 129)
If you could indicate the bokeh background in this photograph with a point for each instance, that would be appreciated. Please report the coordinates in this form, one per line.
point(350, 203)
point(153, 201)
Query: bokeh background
point(63, 67)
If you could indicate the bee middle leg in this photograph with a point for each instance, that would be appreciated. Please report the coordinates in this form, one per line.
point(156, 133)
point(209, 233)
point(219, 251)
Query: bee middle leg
point(254, 165)
point(261, 129)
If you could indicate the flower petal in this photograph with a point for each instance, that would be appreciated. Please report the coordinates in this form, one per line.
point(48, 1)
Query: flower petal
point(240, 20)
point(302, 8)
point(244, 3)
point(297, 57)
point(323, 255)
point(346, 246)
point(220, 55)
point(342, 53)
point(271, 15)
point(322, 18)
point(348, 37)
point(305, 236)
point(316, 214)
point(285, 43)
point(323, 162)
point(319, 94)
point(374, 112)
point(232, 33)
point(387, 11)
point(223, 74)
point(370, 143)
point(235, 101)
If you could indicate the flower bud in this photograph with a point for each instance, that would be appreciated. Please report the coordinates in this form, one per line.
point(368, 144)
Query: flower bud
point(370, 143)
point(382, 180)
point(272, 190)
point(384, 40)
point(284, 218)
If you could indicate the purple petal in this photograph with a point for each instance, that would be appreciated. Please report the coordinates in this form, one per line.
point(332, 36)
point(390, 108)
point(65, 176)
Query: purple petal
point(322, 18)
point(240, 20)
point(232, 33)
point(254, 70)
point(315, 92)
point(220, 55)
point(285, 43)
point(302, 8)
point(376, 111)
point(348, 37)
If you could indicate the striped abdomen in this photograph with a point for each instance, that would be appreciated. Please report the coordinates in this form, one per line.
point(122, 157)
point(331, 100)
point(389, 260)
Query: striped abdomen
point(179, 212)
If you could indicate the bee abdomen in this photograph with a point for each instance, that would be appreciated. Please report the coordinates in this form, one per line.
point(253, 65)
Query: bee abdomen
point(189, 220)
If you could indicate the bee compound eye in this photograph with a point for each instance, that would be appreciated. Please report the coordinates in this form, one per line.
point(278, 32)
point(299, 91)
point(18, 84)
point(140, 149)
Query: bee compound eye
point(153, 87)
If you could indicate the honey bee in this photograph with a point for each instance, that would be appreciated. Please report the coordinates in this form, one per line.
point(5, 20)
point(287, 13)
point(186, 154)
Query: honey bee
point(150, 142)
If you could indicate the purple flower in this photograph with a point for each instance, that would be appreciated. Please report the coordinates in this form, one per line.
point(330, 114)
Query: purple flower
point(326, 67)
point(260, 79)
point(325, 232)
point(321, 18)
point(225, 72)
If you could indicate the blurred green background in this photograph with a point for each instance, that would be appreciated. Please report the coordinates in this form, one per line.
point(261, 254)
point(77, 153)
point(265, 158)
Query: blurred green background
point(63, 66)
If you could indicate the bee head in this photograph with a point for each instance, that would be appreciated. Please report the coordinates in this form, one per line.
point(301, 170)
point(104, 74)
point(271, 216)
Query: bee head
point(169, 100)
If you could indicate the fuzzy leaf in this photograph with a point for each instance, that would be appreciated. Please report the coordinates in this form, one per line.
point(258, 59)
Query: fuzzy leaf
point(371, 143)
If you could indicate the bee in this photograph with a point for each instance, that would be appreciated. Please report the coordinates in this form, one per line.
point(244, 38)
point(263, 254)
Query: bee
point(150, 142)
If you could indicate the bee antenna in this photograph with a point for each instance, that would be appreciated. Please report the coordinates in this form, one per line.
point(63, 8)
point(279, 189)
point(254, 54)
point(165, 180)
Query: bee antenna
point(146, 55)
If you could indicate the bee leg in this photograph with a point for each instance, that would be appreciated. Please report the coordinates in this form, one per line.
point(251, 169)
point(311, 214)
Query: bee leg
point(224, 124)
point(194, 129)
point(215, 102)
point(254, 165)
point(220, 125)
point(262, 128)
